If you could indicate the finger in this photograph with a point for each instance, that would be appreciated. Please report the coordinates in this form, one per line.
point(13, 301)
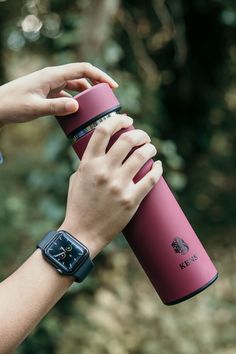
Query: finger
point(58, 106)
point(56, 92)
point(75, 71)
point(103, 132)
point(126, 141)
point(95, 82)
point(63, 93)
point(137, 159)
point(145, 185)
point(78, 85)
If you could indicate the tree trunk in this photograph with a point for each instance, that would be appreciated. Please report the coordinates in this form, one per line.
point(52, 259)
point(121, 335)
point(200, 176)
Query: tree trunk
point(97, 27)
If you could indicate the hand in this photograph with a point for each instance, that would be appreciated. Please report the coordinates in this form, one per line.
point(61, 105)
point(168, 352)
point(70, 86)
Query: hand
point(102, 196)
point(42, 92)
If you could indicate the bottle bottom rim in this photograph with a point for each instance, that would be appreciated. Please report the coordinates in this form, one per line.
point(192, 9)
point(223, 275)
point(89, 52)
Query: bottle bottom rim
point(177, 301)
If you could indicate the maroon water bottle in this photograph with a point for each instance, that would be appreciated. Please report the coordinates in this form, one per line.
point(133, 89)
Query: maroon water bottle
point(159, 233)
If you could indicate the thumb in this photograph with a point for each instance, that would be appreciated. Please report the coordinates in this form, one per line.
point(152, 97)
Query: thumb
point(59, 106)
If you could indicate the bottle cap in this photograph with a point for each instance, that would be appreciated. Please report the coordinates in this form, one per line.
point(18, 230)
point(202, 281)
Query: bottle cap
point(94, 102)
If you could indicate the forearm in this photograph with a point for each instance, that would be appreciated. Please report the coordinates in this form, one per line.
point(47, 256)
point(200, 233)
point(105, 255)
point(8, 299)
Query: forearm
point(33, 289)
point(25, 297)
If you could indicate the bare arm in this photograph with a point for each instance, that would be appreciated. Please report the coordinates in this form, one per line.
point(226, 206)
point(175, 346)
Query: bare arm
point(30, 292)
point(42, 92)
point(25, 297)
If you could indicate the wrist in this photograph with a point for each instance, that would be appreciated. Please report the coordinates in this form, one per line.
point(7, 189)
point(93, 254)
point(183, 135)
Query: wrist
point(94, 244)
point(46, 268)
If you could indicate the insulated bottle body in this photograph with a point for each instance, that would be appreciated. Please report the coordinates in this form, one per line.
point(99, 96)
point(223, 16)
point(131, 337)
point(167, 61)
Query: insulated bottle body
point(159, 233)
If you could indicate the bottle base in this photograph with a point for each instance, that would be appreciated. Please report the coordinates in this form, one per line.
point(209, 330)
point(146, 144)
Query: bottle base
point(193, 293)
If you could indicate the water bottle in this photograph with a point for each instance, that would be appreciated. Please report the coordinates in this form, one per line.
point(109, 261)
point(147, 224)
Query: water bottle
point(159, 233)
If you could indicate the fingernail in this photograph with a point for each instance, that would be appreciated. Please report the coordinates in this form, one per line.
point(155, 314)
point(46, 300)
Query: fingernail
point(71, 106)
point(115, 83)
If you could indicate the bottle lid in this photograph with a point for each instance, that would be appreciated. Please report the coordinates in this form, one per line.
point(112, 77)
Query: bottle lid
point(94, 102)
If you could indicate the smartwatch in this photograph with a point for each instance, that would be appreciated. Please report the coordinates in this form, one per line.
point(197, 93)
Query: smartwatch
point(68, 255)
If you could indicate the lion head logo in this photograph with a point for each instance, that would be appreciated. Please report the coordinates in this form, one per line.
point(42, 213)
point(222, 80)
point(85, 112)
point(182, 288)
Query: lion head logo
point(180, 246)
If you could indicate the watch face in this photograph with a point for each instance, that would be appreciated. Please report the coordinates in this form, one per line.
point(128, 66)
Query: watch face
point(65, 252)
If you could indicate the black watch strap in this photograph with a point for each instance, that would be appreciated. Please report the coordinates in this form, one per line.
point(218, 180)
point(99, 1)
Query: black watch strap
point(84, 268)
point(46, 239)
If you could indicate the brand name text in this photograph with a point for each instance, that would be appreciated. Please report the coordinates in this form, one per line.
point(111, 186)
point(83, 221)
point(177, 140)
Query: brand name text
point(188, 262)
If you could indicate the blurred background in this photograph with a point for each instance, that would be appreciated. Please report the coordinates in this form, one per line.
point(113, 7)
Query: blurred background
point(175, 62)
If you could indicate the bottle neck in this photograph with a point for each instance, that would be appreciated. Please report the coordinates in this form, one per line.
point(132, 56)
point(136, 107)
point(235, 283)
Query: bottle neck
point(79, 133)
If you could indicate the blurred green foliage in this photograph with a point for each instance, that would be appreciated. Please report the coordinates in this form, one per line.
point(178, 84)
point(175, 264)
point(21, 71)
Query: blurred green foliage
point(176, 64)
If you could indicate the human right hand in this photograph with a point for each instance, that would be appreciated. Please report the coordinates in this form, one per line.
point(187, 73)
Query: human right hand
point(102, 196)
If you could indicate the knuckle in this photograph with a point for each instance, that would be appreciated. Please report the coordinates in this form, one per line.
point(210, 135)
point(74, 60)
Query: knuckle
point(27, 107)
point(83, 167)
point(127, 202)
point(101, 178)
point(135, 137)
point(101, 129)
point(52, 108)
point(139, 155)
point(86, 66)
point(115, 188)
point(127, 138)
point(143, 134)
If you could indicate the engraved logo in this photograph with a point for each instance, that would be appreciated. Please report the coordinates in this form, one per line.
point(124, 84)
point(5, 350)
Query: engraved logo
point(180, 246)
